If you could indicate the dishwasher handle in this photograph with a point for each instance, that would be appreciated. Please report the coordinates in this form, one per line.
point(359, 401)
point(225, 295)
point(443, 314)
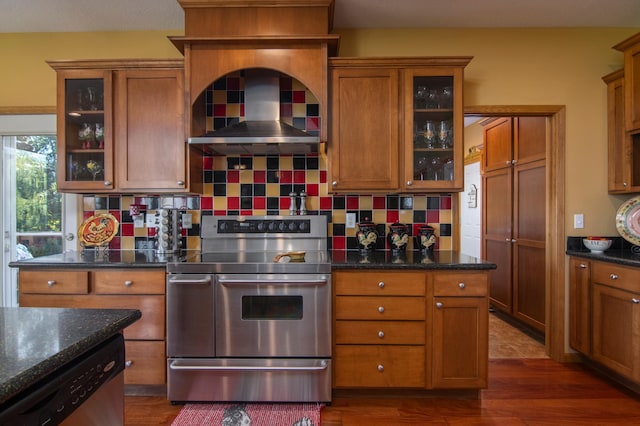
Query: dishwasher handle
point(177, 365)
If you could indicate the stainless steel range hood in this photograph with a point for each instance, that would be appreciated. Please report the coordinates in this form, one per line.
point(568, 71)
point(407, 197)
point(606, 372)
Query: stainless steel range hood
point(262, 132)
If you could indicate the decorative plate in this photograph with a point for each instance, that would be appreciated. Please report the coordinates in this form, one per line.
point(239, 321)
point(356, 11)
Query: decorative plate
point(98, 230)
point(628, 220)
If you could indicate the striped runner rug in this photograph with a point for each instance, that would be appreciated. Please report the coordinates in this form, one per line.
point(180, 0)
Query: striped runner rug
point(245, 414)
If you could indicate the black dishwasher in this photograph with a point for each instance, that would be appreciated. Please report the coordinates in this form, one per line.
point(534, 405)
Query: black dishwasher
point(88, 390)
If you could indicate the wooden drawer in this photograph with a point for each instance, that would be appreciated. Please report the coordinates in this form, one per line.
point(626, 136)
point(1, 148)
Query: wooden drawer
point(626, 278)
point(127, 281)
point(380, 308)
point(380, 332)
point(146, 363)
point(460, 284)
point(53, 281)
point(379, 283)
point(379, 366)
point(151, 326)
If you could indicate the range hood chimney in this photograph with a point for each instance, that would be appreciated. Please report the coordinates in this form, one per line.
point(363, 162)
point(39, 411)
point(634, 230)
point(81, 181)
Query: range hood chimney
point(262, 132)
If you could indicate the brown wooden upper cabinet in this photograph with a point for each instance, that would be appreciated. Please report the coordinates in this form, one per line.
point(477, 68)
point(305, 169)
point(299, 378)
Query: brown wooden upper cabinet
point(121, 126)
point(396, 124)
point(631, 49)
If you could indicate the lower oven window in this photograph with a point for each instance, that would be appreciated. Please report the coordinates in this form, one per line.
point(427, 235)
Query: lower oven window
point(271, 307)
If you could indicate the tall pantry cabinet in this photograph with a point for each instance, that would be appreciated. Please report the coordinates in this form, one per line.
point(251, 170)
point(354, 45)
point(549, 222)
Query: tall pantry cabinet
point(513, 217)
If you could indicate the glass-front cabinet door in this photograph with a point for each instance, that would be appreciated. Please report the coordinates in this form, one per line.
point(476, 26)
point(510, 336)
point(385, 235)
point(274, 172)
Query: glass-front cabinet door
point(433, 157)
point(85, 150)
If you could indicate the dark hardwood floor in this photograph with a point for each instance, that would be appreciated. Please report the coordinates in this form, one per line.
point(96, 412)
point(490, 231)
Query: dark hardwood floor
point(521, 392)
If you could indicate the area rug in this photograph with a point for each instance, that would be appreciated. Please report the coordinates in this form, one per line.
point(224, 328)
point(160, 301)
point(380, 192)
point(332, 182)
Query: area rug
point(234, 414)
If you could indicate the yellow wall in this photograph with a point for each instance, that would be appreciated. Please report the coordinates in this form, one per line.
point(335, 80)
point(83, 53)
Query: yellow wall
point(510, 67)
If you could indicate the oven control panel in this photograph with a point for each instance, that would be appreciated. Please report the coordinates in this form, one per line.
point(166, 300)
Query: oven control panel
point(261, 226)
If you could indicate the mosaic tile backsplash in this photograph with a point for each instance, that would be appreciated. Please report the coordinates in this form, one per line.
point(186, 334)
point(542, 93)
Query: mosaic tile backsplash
point(260, 185)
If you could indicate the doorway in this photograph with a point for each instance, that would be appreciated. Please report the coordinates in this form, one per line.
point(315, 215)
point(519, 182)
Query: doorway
point(34, 214)
point(555, 327)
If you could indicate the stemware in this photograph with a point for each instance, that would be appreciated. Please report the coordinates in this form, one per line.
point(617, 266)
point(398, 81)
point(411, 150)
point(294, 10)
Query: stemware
point(429, 134)
point(443, 134)
point(94, 168)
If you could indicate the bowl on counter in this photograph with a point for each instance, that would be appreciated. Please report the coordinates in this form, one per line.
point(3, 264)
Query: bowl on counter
point(597, 244)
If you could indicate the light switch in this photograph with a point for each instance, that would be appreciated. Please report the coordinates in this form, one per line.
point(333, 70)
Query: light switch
point(578, 221)
point(351, 220)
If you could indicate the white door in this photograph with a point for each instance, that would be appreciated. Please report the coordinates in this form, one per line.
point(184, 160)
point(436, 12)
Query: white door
point(35, 217)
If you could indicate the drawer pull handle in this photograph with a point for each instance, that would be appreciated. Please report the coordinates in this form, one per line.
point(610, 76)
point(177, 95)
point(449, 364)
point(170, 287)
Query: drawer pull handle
point(51, 283)
point(439, 305)
point(128, 363)
point(381, 309)
point(380, 368)
point(381, 334)
point(613, 276)
point(461, 285)
point(635, 300)
point(381, 284)
point(128, 283)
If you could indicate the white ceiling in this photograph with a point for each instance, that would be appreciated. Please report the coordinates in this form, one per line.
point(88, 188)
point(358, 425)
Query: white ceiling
point(123, 15)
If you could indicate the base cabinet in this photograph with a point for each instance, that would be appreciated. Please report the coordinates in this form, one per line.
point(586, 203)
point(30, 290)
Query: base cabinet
point(614, 312)
point(410, 329)
point(109, 288)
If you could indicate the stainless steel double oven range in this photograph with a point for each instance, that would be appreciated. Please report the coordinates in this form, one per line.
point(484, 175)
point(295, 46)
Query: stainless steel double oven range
point(245, 323)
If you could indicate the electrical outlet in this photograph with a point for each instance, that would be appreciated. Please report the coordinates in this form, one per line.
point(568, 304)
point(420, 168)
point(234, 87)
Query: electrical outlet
point(351, 220)
point(578, 221)
point(187, 222)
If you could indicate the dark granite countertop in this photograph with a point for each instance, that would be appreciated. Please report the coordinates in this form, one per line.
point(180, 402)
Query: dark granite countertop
point(621, 257)
point(442, 260)
point(94, 259)
point(35, 342)
point(621, 251)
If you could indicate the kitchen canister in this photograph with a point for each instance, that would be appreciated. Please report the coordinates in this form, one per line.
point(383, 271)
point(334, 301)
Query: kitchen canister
point(398, 237)
point(168, 231)
point(367, 235)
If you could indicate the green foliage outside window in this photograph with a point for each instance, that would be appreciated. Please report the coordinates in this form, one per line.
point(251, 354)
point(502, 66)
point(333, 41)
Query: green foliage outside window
point(38, 203)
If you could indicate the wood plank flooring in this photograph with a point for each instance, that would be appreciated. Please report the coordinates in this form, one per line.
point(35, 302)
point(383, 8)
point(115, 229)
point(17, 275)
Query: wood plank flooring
point(522, 391)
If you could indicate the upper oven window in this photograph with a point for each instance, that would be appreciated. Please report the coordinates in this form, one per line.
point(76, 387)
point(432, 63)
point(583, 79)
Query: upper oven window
point(271, 307)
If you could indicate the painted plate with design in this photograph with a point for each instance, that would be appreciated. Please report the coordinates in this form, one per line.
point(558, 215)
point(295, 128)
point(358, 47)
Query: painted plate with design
point(628, 220)
point(98, 230)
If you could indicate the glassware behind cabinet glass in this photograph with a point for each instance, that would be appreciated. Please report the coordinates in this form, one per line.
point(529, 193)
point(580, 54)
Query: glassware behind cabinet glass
point(443, 134)
point(429, 134)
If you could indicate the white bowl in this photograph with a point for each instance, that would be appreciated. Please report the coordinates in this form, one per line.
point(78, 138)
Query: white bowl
point(597, 246)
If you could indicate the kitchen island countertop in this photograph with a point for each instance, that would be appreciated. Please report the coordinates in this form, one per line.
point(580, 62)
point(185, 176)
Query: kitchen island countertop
point(35, 342)
point(385, 259)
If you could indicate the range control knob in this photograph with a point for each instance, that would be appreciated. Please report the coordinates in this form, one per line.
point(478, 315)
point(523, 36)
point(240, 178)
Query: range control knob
point(292, 226)
point(272, 226)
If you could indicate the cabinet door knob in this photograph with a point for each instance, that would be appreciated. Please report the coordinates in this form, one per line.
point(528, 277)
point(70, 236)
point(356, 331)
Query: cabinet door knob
point(461, 285)
point(380, 368)
point(439, 305)
point(635, 300)
point(51, 283)
point(128, 363)
point(180, 183)
point(613, 276)
point(107, 183)
point(381, 334)
point(624, 184)
point(583, 266)
point(508, 162)
point(334, 183)
point(381, 309)
point(128, 283)
point(381, 284)
point(409, 182)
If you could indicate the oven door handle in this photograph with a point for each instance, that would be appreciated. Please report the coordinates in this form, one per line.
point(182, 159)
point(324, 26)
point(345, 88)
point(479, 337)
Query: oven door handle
point(190, 281)
point(224, 281)
point(177, 365)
